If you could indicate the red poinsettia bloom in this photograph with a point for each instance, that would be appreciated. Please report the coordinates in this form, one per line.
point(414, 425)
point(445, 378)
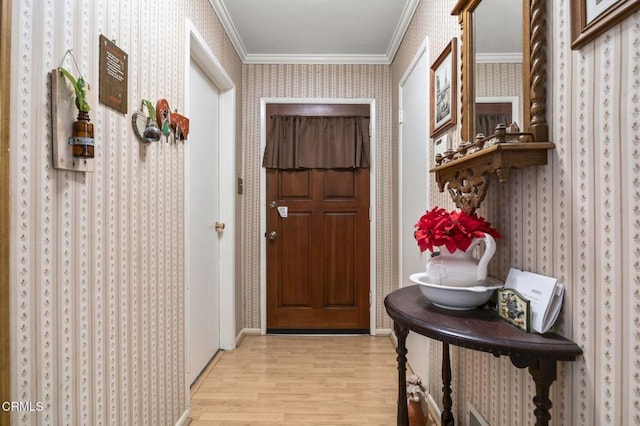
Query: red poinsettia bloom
point(455, 230)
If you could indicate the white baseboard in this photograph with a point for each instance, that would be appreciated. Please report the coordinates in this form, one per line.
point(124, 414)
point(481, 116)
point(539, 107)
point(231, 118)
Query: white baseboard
point(434, 411)
point(247, 332)
point(184, 418)
point(388, 332)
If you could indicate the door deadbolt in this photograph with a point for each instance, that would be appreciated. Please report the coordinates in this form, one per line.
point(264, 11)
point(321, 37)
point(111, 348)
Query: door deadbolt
point(273, 205)
point(273, 235)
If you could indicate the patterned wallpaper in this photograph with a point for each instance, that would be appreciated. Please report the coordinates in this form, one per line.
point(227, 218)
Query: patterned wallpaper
point(500, 79)
point(97, 260)
point(312, 81)
point(576, 219)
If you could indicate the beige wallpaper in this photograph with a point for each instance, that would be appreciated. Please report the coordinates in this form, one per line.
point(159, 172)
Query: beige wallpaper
point(97, 259)
point(500, 79)
point(312, 81)
point(575, 219)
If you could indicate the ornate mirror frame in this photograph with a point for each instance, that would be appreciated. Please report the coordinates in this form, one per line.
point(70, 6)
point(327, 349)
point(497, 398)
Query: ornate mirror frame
point(465, 171)
point(534, 68)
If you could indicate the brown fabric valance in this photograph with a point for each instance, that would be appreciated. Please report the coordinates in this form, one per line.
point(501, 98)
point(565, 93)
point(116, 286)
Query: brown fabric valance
point(486, 123)
point(311, 142)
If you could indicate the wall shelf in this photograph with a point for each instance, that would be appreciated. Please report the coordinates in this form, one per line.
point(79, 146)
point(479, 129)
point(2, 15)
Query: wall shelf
point(467, 177)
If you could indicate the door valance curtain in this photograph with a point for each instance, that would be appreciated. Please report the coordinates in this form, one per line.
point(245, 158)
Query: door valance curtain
point(311, 142)
point(486, 123)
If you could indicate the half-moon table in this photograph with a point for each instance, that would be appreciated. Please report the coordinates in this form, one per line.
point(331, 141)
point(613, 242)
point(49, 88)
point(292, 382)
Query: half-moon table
point(479, 330)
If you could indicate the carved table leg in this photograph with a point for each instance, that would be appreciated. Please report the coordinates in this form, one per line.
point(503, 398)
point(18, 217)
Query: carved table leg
point(402, 418)
point(446, 417)
point(543, 375)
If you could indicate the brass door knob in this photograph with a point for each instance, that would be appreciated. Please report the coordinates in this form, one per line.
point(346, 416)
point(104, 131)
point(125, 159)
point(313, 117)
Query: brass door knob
point(219, 226)
point(273, 235)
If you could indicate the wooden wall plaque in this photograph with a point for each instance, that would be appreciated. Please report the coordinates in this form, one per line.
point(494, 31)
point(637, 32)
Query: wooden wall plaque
point(113, 75)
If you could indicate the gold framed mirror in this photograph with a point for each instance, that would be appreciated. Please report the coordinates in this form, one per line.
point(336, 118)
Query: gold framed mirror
point(488, 36)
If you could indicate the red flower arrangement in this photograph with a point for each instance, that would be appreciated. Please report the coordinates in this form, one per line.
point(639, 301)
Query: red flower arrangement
point(455, 230)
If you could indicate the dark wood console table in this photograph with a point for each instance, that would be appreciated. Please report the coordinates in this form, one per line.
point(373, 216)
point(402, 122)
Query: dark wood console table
point(479, 330)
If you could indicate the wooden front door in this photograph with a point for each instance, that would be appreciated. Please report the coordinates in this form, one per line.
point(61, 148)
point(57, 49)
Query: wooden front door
point(318, 275)
point(318, 255)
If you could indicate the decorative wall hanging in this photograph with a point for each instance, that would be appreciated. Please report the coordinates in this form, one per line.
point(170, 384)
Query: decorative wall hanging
point(444, 89)
point(590, 18)
point(82, 130)
point(113, 75)
point(72, 130)
point(171, 121)
point(145, 126)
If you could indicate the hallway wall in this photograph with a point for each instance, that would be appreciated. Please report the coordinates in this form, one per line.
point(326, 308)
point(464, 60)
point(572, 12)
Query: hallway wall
point(312, 81)
point(575, 219)
point(97, 261)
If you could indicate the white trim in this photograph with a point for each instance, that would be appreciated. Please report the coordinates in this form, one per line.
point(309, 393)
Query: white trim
point(263, 199)
point(414, 62)
point(401, 28)
point(420, 52)
point(473, 411)
point(204, 57)
point(253, 58)
point(436, 414)
point(498, 58)
point(315, 59)
point(247, 332)
point(197, 49)
point(387, 332)
point(184, 418)
point(514, 100)
point(229, 27)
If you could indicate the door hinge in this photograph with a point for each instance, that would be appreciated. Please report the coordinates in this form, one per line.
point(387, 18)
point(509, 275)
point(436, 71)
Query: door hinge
point(370, 298)
point(400, 117)
point(240, 186)
point(370, 215)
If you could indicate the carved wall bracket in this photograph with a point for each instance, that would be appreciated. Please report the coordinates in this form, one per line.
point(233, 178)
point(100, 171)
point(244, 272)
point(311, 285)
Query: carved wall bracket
point(468, 191)
point(467, 177)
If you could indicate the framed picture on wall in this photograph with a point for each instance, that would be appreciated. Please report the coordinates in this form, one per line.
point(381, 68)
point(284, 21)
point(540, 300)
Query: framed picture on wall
point(591, 18)
point(443, 89)
point(440, 145)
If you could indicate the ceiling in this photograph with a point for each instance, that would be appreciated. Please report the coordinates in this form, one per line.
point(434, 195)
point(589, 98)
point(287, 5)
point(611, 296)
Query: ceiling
point(316, 31)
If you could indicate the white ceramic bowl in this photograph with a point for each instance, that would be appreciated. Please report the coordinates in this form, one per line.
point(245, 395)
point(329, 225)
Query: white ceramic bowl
point(458, 298)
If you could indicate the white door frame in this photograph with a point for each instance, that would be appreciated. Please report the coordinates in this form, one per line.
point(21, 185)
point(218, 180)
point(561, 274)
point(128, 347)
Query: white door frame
point(418, 345)
point(372, 203)
point(422, 51)
point(198, 51)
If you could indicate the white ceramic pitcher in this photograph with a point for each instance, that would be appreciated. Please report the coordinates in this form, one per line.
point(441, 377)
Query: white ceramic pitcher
point(460, 269)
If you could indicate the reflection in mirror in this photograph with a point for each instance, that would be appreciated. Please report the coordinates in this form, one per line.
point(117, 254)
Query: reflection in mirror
point(498, 65)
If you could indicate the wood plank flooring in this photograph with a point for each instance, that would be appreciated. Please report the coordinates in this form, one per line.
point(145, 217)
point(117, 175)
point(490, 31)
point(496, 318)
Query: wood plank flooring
point(299, 380)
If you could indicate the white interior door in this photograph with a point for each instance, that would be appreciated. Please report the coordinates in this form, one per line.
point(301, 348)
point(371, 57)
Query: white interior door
point(414, 185)
point(203, 269)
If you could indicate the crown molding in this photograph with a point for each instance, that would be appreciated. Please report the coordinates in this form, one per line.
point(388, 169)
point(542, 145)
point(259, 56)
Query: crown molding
point(401, 29)
point(316, 59)
point(497, 58)
point(312, 58)
point(227, 23)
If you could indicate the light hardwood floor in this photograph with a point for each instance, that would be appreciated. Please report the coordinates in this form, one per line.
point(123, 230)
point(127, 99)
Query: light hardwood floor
point(299, 380)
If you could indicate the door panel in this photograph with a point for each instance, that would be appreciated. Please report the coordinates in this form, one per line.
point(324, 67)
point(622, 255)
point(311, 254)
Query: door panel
point(340, 259)
point(203, 209)
point(294, 262)
point(414, 188)
point(318, 265)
